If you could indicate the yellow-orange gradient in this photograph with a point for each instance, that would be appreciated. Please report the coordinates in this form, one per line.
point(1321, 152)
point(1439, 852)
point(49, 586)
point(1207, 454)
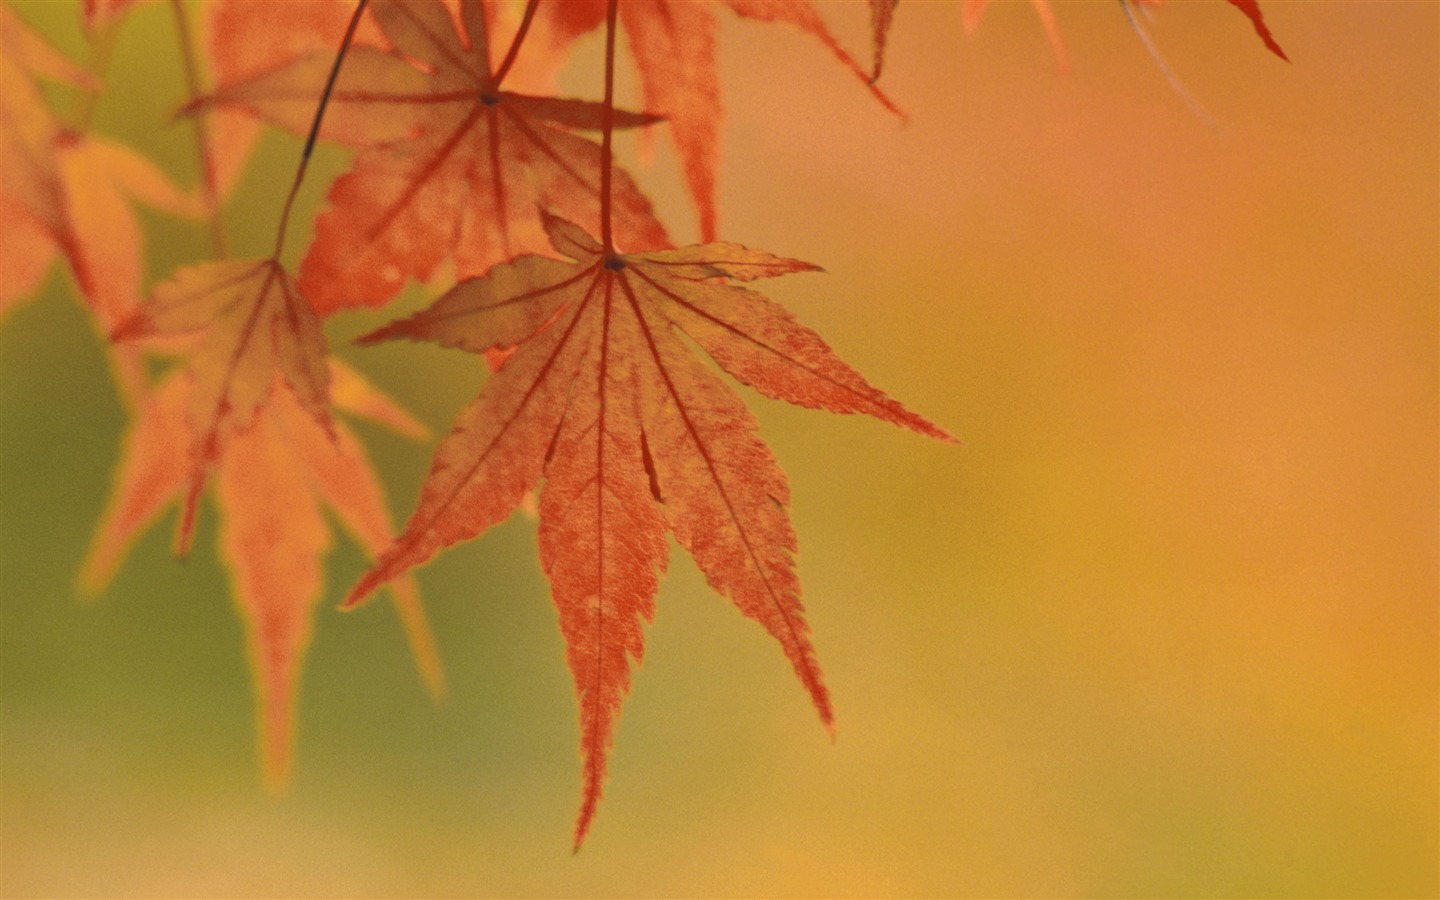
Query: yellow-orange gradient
point(1165, 624)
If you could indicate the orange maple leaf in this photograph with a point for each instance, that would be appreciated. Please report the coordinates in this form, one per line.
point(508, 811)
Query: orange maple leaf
point(247, 37)
point(256, 325)
point(271, 549)
point(450, 164)
point(68, 193)
point(673, 45)
point(633, 436)
point(253, 407)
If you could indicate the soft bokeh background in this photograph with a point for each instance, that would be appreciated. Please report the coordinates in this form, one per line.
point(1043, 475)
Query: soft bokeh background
point(1165, 624)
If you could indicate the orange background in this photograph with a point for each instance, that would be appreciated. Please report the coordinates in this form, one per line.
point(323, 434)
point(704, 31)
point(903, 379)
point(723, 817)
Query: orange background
point(1165, 624)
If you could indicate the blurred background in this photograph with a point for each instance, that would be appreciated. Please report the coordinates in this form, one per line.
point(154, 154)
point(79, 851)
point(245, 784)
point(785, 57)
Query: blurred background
point(1165, 624)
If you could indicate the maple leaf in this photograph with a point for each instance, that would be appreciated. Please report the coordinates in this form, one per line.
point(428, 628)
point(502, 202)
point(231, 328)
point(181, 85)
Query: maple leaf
point(247, 37)
point(450, 164)
point(253, 407)
point(271, 549)
point(972, 10)
point(1251, 9)
point(673, 45)
point(882, 14)
point(29, 253)
point(256, 325)
point(633, 437)
point(69, 193)
point(27, 52)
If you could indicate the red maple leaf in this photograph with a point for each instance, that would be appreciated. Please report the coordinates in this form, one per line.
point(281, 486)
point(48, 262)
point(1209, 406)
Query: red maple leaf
point(1251, 9)
point(450, 165)
point(633, 436)
point(882, 14)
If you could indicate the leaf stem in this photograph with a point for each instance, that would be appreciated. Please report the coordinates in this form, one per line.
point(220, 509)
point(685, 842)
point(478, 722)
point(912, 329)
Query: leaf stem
point(315, 127)
point(209, 188)
point(101, 49)
point(515, 42)
point(607, 126)
point(1165, 70)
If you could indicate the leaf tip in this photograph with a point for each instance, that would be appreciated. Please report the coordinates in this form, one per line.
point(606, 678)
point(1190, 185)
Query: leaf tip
point(904, 418)
point(90, 582)
point(826, 712)
point(420, 637)
point(100, 564)
point(277, 749)
point(393, 331)
point(1251, 9)
point(131, 328)
point(193, 107)
point(185, 529)
point(361, 591)
point(582, 822)
point(276, 774)
point(371, 581)
point(97, 570)
point(941, 434)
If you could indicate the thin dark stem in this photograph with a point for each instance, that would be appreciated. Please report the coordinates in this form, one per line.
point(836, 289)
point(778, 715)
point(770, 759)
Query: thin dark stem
point(515, 42)
point(607, 125)
point(315, 127)
point(208, 186)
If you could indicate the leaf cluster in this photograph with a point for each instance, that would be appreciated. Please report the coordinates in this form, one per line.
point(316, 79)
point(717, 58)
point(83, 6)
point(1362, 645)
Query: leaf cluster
point(602, 403)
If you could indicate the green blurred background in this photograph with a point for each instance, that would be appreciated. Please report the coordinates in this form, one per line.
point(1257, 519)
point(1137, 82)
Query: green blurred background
point(1164, 624)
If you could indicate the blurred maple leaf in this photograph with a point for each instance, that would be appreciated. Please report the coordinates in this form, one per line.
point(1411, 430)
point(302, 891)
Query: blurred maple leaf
point(69, 193)
point(271, 484)
point(673, 45)
point(252, 407)
point(633, 436)
point(450, 165)
point(882, 14)
point(972, 10)
point(102, 13)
